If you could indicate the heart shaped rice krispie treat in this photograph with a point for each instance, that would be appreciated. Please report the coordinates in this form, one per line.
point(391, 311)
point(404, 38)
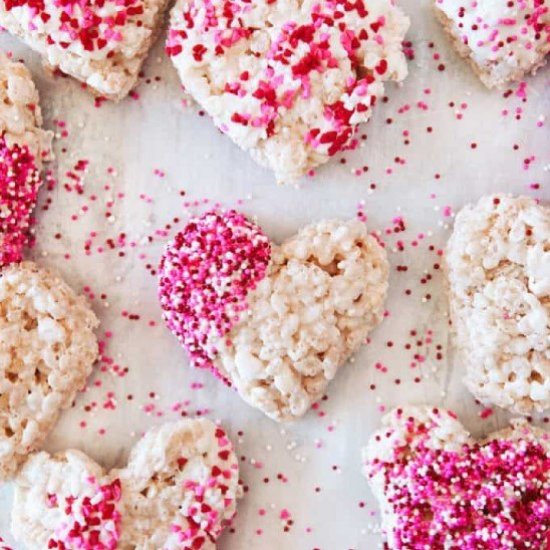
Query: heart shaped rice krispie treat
point(23, 147)
point(178, 491)
point(47, 349)
point(440, 489)
point(498, 269)
point(503, 40)
point(275, 322)
point(288, 80)
point(101, 43)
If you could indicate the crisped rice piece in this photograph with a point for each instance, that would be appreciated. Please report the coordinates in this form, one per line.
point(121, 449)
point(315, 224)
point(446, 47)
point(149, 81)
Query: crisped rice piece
point(275, 322)
point(503, 40)
point(102, 44)
point(23, 147)
point(498, 269)
point(179, 490)
point(47, 350)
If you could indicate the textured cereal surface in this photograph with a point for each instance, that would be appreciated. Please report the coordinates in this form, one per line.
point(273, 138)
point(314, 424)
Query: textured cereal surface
point(47, 349)
point(503, 40)
point(100, 43)
point(323, 294)
point(179, 490)
point(20, 114)
point(439, 488)
point(498, 268)
point(288, 80)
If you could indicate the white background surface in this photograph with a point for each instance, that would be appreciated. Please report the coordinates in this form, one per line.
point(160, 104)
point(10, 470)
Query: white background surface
point(318, 457)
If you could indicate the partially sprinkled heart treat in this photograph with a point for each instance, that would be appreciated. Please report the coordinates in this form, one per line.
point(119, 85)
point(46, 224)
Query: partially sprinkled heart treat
point(288, 80)
point(439, 488)
point(275, 322)
point(47, 350)
point(23, 146)
point(101, 43)
point(503, 40)
point(498, 269)
point(178, 491)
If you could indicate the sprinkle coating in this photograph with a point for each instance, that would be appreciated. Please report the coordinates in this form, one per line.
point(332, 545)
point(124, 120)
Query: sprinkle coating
point(498, 269)
point(288, 80)
point(438, 488)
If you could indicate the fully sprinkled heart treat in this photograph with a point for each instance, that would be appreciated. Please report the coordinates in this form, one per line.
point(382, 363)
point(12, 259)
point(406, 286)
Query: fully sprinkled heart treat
point(102, 43)
point(47, 349)
point(275, 322)
point(503, 40)
point(288, 80)
point(178, 491)
point(23, 147)
point(439, 488)
point(498, 269)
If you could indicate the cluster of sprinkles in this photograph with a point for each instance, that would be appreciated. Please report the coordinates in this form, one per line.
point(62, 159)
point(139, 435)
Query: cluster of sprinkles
point(89, 25)
point(205, 275)
point(299, 60)
point(92, 521)
point(494, 496)
point(19, 184)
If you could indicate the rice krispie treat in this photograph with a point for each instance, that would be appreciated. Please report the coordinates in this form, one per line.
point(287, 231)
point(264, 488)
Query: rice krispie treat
point(503, 40)
point(47, 349)
point(102, 44)
point(179, 490)
point(498, 269)
point(23, 147)
point(439, 488)
point(288, 80)
point(275, 322)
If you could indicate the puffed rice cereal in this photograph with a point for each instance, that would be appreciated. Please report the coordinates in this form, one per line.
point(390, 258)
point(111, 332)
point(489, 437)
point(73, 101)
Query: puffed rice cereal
point(102, 44)
point(498, 269)
point(179, 490)
point(288, 80)
point(47, 349)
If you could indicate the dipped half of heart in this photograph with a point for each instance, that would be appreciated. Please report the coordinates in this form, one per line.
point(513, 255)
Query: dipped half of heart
point(439, 488)
point(276, 322)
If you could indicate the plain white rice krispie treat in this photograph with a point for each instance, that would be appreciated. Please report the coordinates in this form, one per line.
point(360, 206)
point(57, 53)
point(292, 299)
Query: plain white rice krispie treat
point(47, 349)
point(20, 114)
point(179, 490)
point(503, 40)
point(439, 488)
point(288, 80)
point(23, 147)
point(102, 43)
point(498, 269)
point(275, 322)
